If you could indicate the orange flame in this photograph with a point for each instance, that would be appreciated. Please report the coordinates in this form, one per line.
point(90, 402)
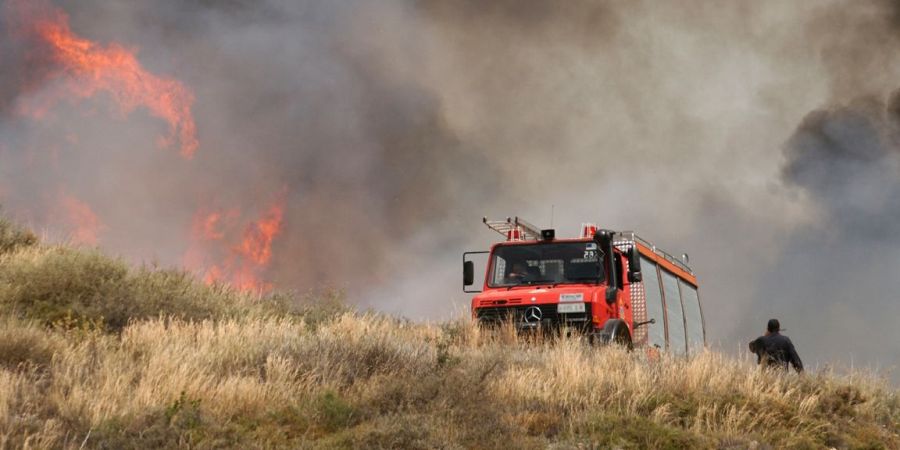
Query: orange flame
point(255, 249)
point(210, 225)
point(226, 246)
point(240, 264)
point(85, 223)
point(257, 243)
point(87, 68)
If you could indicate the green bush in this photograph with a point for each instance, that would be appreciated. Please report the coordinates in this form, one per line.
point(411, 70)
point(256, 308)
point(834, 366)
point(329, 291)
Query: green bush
point(334, 413)
point(317, 308)
point(626, 432)
point(13, 237)
point(78, 288)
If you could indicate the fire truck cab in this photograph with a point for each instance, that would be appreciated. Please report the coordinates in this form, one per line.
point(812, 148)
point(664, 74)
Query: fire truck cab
point(614, 286)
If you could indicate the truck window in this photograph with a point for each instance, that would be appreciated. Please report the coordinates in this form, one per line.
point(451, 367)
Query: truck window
point(561, 263)
point(656, 332)
point(692, 317)
point(674, 315)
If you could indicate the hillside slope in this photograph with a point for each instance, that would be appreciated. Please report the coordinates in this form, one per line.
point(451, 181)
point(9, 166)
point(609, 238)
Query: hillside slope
point(97, 354)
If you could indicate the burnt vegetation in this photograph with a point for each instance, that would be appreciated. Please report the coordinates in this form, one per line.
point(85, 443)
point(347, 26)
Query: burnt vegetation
point(98, 354)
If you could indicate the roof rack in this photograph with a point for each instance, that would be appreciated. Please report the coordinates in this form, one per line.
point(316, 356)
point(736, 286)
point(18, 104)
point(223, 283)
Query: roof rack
point(630, 235)
point(505, 227)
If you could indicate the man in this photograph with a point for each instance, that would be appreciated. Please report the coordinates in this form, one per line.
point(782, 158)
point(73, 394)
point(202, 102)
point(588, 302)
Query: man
point(518, 274)
point(774, 349)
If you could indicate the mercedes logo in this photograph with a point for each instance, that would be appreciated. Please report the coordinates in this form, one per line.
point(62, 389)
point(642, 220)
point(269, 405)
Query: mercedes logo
point(532, 315)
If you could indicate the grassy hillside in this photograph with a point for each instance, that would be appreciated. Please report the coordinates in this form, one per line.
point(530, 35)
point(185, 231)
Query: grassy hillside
point(97, 354)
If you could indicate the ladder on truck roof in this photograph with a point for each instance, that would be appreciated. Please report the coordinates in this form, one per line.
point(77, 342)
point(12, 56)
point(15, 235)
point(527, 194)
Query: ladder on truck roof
point(625, 239)
point(506, 227)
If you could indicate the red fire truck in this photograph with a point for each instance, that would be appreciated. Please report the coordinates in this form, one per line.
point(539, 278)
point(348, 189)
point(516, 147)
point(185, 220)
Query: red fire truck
point(614, 286)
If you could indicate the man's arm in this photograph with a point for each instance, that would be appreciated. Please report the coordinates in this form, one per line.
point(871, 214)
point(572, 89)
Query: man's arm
point(756, 347)
point(795, 358)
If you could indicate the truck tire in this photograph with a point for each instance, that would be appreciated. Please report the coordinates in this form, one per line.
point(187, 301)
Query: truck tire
point(615, 331)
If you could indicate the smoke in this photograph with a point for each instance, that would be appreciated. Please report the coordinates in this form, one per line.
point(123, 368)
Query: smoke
point(758, 137)
point(837, 275)
point(847, 159)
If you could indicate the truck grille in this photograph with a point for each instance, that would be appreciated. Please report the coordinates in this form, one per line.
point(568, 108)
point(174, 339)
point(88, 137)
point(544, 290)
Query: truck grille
point(517, 315)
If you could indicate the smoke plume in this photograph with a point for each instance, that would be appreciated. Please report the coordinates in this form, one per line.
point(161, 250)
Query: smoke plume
point(836, 277)
point(357, 144)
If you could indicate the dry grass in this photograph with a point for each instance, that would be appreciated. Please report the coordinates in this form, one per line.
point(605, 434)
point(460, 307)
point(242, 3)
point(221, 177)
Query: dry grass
point(184, 365)
point(369, 381)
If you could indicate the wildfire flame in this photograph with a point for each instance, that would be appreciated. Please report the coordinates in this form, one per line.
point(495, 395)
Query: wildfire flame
point(85, 223)
point(226, 245)
point(257, 243)
point(247, 253)
point(86, 68)
point(208, 226)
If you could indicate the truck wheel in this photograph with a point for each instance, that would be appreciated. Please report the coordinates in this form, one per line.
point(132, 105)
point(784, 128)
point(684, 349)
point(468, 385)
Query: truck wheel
point(614, 331)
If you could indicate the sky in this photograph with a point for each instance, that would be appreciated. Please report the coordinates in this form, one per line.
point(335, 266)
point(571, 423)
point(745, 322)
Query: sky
point(760, 138)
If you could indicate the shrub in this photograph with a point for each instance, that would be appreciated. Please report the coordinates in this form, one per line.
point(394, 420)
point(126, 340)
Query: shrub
point(13, 237)
point(55, 285)
point(334, 413)
point(634, 432)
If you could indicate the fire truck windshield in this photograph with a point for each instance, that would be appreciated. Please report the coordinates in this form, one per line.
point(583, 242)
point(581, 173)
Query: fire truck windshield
point(545, 263)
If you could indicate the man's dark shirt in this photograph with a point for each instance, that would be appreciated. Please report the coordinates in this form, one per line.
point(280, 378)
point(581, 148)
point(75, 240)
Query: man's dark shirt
point(776, 350)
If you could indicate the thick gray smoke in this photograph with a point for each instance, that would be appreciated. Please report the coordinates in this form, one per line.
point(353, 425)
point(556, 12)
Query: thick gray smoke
point(391, 127)
point(837, 276)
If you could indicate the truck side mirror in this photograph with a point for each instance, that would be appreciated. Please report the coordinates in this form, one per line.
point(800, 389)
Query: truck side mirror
point(468, 273)
point(634, 266)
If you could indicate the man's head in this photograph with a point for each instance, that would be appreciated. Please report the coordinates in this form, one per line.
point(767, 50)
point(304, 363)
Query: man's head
point(773, 326)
